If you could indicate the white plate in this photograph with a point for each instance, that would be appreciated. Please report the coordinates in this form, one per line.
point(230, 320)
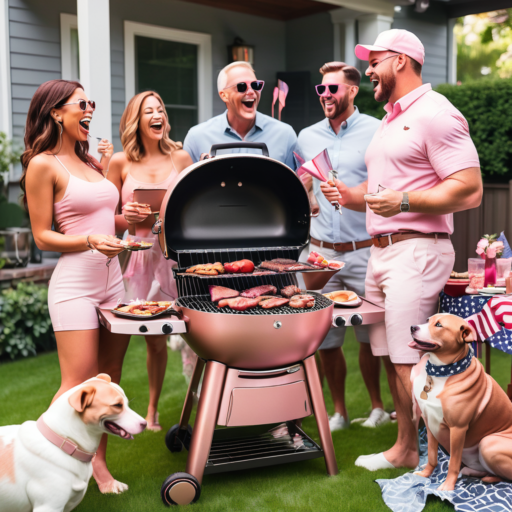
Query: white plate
point(492, 291)
point(350, 304)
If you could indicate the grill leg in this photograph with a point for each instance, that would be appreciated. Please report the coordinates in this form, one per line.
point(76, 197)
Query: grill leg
point(206, 419)
point(322, 421)
point(192, 388)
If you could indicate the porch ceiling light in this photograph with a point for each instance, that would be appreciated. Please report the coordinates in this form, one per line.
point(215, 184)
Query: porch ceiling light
point(240, 51)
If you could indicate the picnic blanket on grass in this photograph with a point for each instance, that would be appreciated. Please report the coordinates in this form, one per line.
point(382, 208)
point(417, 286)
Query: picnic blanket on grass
point(409, 492)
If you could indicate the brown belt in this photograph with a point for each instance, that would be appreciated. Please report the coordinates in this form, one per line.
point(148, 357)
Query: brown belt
point(343, 247)
point(385, 240)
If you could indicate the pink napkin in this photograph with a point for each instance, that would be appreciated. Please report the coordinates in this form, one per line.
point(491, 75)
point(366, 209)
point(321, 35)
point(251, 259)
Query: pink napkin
point(280, 92)
point(319, 167)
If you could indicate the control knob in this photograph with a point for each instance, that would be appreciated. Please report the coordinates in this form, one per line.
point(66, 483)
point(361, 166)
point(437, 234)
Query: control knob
point(167, 328)
point(356, 319)
point(143, 328)
point(340, 321)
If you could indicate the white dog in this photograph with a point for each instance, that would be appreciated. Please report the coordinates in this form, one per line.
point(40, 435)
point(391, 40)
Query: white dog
point(45, 466)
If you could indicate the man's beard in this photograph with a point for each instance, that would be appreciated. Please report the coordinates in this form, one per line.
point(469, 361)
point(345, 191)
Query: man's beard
point(340, 107)
point(387, 85)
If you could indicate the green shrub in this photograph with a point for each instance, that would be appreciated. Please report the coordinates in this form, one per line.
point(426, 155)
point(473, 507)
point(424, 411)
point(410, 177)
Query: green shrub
point(25, 324)
point(487, 105)
point(366, 102)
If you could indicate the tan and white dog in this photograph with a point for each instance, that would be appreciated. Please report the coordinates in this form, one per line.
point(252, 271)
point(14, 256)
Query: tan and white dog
point(464, 409)
point(45, 466)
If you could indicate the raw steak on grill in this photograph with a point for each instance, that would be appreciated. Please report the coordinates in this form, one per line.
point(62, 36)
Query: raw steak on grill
point(282, 265)
point(239, 303)
point(290, 291)
point(302, 301)
point(275, 302)
point(265, 289)
point(220, 292)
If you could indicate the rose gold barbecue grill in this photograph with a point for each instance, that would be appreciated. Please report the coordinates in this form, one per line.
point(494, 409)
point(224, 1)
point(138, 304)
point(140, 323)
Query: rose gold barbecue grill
point(259, 366)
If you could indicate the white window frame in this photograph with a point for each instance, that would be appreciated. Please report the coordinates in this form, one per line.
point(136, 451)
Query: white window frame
point(204, 60)
point(5, 71)
point(67, 22)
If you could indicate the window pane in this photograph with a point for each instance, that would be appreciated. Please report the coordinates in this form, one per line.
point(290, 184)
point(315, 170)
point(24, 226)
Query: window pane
point(169, 68)
point(181, 120)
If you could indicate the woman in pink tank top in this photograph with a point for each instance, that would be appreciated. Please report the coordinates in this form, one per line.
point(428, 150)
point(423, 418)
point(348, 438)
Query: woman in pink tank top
point(151, 160)
point(65, 186)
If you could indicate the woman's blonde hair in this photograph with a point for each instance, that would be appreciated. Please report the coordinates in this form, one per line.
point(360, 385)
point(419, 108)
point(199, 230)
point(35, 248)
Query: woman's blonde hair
point(129, 129)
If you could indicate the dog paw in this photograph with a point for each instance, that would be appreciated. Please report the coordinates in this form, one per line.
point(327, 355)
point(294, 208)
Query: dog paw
point(112, 487)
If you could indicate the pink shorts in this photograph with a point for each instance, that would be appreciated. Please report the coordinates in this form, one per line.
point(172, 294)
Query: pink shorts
point(80, 282)
point(406, 278)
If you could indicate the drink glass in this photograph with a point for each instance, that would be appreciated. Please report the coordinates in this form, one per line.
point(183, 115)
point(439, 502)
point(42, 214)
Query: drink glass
point(503, 267)
point(476, 273)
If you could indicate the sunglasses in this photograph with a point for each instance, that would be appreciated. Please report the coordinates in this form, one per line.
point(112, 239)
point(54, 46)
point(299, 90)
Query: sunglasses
point(257, 85)
point(333, 88)
point(375, 64)
point(82, 104)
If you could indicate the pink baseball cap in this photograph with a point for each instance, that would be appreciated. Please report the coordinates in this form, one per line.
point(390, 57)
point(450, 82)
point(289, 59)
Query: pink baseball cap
point(395, 40)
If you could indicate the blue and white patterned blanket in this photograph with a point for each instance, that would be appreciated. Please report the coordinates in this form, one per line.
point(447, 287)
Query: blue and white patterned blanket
point(409, 492)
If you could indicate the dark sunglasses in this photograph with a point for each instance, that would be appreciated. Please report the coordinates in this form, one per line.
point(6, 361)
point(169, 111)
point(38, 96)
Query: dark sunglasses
point(82, 104)
point(333, 88)
point(257, 85)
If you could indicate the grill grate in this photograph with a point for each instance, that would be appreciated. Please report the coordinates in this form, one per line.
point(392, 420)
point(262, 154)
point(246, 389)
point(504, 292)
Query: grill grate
point(203, 303)
point(248, 447)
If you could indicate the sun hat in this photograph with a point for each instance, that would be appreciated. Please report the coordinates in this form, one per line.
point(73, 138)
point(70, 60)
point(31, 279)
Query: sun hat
point(394, 40)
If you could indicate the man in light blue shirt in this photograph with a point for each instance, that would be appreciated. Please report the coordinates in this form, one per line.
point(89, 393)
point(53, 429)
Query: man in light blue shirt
point(345, 133)
point(241, 92)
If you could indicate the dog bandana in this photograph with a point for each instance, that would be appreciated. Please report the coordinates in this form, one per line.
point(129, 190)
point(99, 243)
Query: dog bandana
point(447, 370)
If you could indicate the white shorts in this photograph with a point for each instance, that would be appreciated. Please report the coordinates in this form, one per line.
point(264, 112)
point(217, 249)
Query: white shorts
point(406, 278)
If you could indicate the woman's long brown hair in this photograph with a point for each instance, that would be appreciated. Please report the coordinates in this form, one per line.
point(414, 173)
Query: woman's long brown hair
point(129, 129)
point(42, 132)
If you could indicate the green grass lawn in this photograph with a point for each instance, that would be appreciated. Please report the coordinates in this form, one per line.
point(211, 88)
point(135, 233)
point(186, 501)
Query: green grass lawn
point(26, 388)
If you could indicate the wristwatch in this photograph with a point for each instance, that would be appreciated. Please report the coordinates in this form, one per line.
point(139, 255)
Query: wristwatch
point(404, 206)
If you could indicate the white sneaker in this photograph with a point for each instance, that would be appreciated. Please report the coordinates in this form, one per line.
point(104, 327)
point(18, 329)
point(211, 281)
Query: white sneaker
point(377, 418)
point(338, 422)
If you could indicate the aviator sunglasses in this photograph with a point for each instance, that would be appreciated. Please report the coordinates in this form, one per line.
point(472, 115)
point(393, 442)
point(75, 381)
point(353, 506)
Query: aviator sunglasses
point(82, 104)
point(333, 88)
point(257, 85)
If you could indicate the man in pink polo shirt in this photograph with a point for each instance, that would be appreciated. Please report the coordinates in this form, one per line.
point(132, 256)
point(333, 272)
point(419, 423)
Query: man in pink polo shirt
point(422, 167)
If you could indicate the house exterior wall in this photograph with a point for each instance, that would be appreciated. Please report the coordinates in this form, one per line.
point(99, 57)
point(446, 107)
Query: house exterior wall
point(432, 29)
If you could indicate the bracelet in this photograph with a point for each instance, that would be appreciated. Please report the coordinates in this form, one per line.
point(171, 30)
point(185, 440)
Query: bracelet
point(89, 243)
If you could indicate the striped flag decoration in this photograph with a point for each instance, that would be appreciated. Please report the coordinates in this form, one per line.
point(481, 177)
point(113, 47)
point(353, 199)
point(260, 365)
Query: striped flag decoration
point(495, 315)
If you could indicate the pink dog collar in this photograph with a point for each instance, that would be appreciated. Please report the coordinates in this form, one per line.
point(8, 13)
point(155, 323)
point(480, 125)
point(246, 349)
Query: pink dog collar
point(64, 444)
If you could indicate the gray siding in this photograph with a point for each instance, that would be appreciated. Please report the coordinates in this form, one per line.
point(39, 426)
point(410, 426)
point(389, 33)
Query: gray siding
point(34, 30)
point(432, 29)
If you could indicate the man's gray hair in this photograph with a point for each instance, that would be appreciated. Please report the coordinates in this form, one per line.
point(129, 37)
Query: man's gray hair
point(222, 79)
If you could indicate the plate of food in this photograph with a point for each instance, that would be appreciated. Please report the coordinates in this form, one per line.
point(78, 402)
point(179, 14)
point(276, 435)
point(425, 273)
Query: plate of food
point(492, 290)
point(141, 309)
point(344, 299)
point(136, 245)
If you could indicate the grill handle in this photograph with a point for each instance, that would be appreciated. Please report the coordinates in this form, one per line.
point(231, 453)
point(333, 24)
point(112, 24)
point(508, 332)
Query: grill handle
point(237, 145)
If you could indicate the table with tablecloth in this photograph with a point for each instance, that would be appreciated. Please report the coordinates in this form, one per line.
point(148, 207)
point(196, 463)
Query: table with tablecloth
point(468, 305)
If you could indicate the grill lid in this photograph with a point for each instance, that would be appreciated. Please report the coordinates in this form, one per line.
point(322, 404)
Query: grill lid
point(236, 201)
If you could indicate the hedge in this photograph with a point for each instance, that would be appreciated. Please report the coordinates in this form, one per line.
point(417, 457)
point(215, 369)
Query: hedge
point(25, 325)
point(487, 106)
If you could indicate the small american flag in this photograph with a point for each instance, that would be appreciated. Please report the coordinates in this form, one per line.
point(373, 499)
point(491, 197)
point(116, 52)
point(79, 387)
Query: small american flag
point(495, 315)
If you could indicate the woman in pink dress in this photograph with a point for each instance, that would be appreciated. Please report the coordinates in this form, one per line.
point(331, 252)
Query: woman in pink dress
point(66, 187)
point(150, 160)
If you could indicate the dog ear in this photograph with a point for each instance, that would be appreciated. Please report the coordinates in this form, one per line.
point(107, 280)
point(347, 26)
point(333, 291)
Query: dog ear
point(466, 334)
point(82, 398)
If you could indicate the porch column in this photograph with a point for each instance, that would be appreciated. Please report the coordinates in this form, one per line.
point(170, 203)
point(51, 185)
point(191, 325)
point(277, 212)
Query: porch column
point(371, 25)
point(344, 26)
point(94, 42)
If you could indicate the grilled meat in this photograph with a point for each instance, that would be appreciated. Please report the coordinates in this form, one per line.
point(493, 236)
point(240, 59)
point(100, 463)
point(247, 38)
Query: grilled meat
point(265, 289)
point(239, 303)
point(239, 267)
point(274, 302)
point(208, 269)
point(302, 301)
point(290, 291)
point(279, 266)
point(220, 292)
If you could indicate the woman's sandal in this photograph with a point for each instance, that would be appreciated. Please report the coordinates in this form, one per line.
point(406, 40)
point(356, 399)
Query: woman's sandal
point(154, 426)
